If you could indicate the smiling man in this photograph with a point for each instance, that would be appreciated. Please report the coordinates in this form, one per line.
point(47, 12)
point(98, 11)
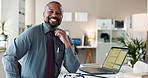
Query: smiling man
point(42, 49)
point(53, 14)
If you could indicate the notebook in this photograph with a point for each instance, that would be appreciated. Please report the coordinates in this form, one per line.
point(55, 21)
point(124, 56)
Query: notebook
point(112, 63)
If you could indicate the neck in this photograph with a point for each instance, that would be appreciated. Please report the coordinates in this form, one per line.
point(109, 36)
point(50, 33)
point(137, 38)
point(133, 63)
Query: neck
point(51, 28)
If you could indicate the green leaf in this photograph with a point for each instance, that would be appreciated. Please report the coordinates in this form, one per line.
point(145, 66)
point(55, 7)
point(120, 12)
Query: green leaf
point(137, 47)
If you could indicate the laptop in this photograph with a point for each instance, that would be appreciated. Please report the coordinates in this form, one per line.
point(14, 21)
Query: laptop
point(112, 63)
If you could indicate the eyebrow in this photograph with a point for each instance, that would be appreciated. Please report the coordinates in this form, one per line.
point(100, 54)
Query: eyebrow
point(53, 9)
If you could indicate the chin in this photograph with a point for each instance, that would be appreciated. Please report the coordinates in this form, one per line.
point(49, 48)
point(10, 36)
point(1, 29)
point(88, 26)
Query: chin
point(54, 26)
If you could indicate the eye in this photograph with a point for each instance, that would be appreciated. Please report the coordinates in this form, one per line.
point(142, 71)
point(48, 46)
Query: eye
point(49, 11)
point(59, 13)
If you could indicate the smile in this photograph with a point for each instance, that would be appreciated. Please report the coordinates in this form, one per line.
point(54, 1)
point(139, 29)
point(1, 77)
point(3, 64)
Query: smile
point(54, 20)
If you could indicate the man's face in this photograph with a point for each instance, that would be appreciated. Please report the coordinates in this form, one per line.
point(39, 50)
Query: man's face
point(53, 15)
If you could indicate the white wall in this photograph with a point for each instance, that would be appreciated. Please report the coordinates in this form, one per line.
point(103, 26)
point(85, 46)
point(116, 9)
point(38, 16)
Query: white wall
point(29, 12)
point(0, 9)
point(114, 9)
point(9, 13)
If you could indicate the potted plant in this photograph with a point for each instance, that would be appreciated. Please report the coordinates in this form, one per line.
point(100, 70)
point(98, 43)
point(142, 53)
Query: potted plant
point(137, 48)
point(28, 26)
point(3, 36)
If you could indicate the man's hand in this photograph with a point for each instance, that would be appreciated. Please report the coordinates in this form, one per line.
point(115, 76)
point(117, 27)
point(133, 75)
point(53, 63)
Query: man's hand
point(63, 37)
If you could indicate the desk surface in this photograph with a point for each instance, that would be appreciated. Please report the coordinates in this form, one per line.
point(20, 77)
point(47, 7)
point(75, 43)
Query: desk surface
point(124, 69)
point(1, 51)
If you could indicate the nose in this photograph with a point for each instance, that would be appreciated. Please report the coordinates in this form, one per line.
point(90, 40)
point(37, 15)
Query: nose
point(54, 14)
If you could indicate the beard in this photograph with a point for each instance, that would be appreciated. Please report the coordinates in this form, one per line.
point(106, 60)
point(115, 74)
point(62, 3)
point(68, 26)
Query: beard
point(51, 25)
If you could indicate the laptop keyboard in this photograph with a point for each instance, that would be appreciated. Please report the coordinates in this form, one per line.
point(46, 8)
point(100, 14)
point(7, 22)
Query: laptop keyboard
point(95, 69)
point(101, 70)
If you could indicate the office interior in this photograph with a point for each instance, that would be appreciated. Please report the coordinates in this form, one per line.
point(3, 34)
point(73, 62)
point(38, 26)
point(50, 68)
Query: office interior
point(82, 20)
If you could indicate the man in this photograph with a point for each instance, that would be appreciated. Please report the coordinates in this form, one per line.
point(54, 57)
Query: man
point(32, 48)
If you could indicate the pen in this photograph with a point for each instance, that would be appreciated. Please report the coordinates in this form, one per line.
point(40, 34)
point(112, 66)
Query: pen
point(58, 50)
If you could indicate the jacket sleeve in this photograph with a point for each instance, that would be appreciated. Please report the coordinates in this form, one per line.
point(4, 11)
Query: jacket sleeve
point(71, 60)
point(13, 54)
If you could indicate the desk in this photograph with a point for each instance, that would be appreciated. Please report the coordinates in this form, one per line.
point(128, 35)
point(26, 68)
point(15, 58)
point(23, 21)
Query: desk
point(88, 53)
point(2, 50)
point(124, 69)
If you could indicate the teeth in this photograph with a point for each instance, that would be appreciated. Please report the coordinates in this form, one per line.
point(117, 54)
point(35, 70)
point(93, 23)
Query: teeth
point(53, 20)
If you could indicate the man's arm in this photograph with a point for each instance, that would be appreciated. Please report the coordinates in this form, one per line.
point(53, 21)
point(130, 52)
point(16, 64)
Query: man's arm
point(15, 52)
point(71, 61)
point(11, 66)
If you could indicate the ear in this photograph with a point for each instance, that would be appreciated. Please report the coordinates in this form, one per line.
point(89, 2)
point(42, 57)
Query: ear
point(43, 14)
point(62, 16)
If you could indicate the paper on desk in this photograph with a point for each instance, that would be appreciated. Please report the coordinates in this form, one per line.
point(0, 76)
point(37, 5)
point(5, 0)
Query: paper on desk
point(140, 67)
point(135, 75)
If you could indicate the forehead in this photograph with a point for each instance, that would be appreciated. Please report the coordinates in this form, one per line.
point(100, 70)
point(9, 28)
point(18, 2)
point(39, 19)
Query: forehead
point(54, 6)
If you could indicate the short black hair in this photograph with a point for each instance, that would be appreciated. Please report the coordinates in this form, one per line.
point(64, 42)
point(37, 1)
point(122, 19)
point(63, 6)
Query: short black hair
point(53, 2)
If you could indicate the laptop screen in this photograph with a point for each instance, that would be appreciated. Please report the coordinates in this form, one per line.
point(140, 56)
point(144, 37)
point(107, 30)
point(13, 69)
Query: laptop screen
point(115, 59)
